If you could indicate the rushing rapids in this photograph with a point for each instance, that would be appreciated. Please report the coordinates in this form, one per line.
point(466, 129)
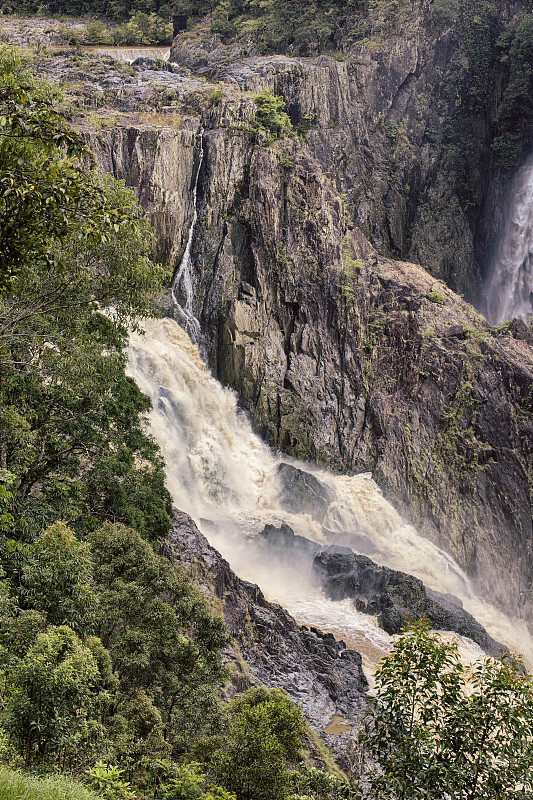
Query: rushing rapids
point(510, 285)
point(224, 476)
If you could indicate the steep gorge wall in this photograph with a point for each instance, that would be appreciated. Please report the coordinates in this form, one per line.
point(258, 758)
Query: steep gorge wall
point(342, 356)
point(158, 164)
point(408, 120)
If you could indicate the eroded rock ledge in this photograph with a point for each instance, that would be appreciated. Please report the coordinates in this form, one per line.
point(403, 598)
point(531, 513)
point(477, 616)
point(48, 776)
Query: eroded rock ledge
point(269, 648)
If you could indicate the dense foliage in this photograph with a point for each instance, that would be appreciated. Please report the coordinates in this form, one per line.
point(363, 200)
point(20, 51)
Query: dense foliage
point(71, 422)
point(113, 9)
point(110, 658)
point(103, 644)
point(439, 729)
point(140, 29)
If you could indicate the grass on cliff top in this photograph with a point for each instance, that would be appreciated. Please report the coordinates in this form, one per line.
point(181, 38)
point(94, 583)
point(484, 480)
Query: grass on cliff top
point(16, 785)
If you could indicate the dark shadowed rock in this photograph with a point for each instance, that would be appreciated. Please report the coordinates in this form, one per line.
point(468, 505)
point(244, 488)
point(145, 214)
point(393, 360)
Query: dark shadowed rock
point(283, 539)
point(269, 647)
point(302, 493)
point(395, 598)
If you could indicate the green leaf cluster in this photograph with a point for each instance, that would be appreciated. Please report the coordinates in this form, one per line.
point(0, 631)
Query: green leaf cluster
point(46, 195)
point(271, 115)
point(439, 729)
point(105, 649)
point(142, 29)
point(263, 738)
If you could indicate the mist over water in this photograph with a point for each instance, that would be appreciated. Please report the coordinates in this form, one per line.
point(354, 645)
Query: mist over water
point(226, 478)
point(509, 287)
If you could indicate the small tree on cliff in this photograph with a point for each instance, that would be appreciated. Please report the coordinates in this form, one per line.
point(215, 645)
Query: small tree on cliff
point(440, 730)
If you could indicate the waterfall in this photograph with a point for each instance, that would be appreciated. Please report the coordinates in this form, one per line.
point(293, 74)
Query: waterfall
point(126, 55)
point(227, 479)
point(510, 285)
point(182, 286)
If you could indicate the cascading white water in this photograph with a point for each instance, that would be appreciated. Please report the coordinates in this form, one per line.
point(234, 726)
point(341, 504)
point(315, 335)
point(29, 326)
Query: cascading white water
point(509, 289)
point(182, 286)
point(226, 478)
point(126, 55)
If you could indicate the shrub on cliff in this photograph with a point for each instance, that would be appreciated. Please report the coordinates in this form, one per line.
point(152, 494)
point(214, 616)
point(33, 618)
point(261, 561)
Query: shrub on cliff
point(271, 116)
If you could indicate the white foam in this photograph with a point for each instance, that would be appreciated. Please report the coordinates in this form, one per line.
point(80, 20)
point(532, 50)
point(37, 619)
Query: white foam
point(219, 470)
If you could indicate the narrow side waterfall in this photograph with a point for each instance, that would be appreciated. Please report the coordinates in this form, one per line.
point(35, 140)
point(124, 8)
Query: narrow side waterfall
point(226, 478)
point(510, 285)
point(182, 286)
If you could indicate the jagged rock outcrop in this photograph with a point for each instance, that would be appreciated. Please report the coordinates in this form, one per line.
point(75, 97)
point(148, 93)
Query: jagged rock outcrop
point(269, 648)
point(157, 163)
point(284, 543)
point(362, 363)
point(395, 598)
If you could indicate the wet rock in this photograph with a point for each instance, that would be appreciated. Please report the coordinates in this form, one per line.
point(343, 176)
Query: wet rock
point(519, 330)
point(302, 493)
point(282, 540)
point(269, 647)
point(395, 598)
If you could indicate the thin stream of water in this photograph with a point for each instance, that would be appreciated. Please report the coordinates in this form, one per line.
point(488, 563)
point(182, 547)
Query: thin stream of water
point(182, 287)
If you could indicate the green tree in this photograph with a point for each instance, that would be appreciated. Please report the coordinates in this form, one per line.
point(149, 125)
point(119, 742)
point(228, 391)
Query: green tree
point(57, 580)
point(45, 193)
point(440, 730)
point(160, 633)
point(71, 422)
point(50, 694)
point(143, 29)
point(264, 738)
point(271, 115)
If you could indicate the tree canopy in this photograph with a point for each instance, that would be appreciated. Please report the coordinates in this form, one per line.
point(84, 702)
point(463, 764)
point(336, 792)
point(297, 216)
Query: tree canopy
point(72, 243)
point(439, 729)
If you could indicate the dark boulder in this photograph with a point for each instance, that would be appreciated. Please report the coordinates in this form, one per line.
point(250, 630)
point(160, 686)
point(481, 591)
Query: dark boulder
point(283, 539)
point(395, 598)
point(302, 493)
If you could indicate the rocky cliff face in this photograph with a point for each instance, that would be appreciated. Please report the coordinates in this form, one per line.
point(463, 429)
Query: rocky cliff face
point(269, 648)
point(158, 163)
point(341, 355)
point(363, 363)
point(401, 121)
